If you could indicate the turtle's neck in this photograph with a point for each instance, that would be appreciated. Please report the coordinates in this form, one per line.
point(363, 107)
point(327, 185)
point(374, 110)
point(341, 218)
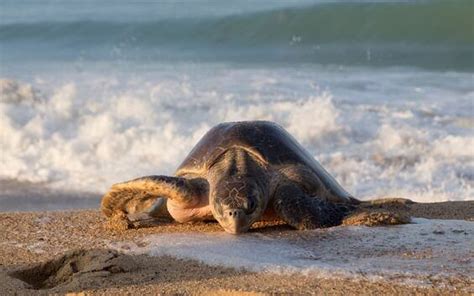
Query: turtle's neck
point(237, 163)
point(238, 166)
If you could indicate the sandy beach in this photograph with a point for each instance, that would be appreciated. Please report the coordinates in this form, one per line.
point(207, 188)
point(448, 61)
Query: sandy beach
point(70, 252)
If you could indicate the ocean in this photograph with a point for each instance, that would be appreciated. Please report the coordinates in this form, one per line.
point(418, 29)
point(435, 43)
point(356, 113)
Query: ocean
point(94, 93)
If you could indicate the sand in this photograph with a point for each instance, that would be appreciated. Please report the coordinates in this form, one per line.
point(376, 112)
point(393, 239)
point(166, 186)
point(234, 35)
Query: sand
point(69, 252)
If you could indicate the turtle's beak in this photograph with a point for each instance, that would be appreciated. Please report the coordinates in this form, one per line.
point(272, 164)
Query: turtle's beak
point(235, 221)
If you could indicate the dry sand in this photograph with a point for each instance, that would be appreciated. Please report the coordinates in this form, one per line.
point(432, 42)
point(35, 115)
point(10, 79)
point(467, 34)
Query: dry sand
point(68, 251)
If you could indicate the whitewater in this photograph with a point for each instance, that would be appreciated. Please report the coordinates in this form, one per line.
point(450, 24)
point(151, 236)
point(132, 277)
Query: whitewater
point(79, 112)
point(89, 134)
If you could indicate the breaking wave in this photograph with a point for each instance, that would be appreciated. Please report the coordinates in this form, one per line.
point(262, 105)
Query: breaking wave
point(64, 137)
point(365, 33)
point(318, 24)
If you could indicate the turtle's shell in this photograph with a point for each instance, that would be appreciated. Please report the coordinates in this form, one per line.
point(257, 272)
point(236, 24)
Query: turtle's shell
point(266, 139)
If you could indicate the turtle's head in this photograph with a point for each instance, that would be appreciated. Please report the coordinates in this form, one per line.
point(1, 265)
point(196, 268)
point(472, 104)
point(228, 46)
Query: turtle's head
point(238, 189)
point(237, 203)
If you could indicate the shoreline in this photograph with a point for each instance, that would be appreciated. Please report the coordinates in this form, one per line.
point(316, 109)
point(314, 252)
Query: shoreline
point(32, 238)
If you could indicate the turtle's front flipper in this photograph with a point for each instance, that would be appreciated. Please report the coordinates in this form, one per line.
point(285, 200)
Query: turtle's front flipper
point(303, 211)
point(144, 199)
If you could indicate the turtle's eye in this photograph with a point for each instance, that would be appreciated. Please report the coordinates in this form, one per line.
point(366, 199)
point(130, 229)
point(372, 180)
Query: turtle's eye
point(251, 205)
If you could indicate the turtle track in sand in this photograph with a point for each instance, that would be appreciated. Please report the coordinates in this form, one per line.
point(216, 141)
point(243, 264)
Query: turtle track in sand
point(73, 267)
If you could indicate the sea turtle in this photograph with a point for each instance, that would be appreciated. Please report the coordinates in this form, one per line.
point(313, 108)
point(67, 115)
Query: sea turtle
point(237, 174)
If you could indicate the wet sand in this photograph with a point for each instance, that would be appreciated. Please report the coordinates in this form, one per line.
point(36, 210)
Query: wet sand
point(69, 251)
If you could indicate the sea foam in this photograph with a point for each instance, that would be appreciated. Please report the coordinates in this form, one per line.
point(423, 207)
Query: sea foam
point(87, 131)
point(426, 252)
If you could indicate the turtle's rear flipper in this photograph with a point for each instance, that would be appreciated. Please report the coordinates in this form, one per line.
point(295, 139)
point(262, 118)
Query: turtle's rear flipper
point(144, 199)
point(376, 217)
point(379, 212)
point(306, 212)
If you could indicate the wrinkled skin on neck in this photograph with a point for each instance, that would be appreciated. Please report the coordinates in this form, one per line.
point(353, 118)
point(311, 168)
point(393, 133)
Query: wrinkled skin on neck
point(238, 190)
